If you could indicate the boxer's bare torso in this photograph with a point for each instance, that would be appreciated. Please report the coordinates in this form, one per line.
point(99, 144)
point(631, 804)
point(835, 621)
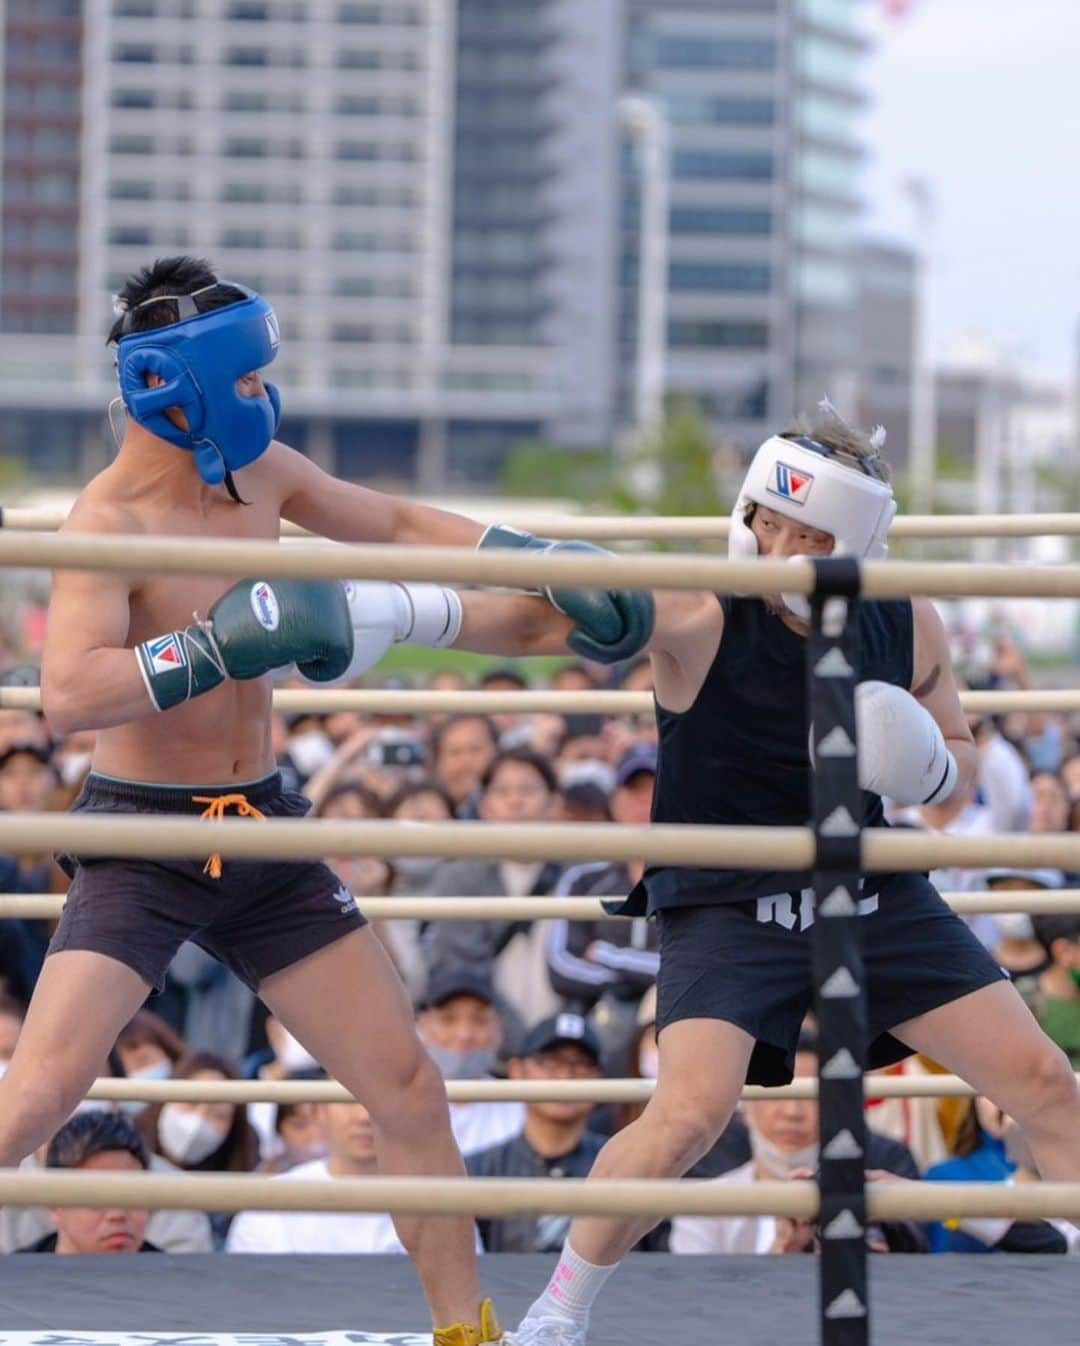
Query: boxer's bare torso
point(221, 737)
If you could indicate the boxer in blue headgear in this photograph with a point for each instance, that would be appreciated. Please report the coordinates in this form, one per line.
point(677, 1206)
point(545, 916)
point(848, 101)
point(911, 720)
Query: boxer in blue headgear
point(179, 359)
point(174, 675)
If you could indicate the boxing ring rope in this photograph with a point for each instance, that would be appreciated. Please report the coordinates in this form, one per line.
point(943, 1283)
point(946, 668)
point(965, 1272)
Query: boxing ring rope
point(519, 569)
point(836, 849)
point(1056, 901)
point(703, 528)
point(772, 848)
point(526, 1196)
point(376, 701)
point(118, 1090)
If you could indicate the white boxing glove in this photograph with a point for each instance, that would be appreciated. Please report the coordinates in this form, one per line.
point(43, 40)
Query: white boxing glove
point(902, 751)
point(387, 614)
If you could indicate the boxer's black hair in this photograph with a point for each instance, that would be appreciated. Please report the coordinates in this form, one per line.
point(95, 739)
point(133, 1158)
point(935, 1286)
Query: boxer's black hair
point(160, 279)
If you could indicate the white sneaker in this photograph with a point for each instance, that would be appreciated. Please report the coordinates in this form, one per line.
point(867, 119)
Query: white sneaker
point(547, 1330)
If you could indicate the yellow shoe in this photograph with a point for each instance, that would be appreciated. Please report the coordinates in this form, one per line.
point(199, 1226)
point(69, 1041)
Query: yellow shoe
point(466, 1334)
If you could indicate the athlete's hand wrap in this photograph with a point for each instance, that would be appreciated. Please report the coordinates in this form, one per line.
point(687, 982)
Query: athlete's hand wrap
point(609, 624)
point(387, 614)
point(902, 751)
point(254, 627)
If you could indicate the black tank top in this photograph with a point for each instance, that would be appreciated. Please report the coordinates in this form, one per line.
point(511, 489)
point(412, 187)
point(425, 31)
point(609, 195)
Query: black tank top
point(740, 755)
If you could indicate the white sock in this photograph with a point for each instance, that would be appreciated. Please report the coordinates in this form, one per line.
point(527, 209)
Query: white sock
point(573, 1288)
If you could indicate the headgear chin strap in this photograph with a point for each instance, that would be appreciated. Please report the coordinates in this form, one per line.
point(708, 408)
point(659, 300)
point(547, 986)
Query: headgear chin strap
point(807, 482)
point(200, 358)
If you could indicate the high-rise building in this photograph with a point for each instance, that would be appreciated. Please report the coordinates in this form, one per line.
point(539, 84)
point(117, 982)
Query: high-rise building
point(436, 197)
point(761, 98)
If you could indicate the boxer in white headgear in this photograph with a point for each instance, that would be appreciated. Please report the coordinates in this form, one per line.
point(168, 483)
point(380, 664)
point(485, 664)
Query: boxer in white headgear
point(734, 978)
point(838, 497)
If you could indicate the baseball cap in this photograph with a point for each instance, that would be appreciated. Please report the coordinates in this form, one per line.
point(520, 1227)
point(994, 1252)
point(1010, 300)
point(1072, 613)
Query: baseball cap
point(1041, 878)
point(28, 747)
point(561, 1028)
point(447, 982)
point(637, 760)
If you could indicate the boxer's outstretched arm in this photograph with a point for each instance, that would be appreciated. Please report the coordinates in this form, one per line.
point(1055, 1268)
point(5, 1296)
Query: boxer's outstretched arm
point(346, 512)
point(511, 624)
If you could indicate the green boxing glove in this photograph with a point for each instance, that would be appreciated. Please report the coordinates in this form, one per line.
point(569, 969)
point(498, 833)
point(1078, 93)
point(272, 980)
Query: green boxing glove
point(609, 624)
point(255, 627)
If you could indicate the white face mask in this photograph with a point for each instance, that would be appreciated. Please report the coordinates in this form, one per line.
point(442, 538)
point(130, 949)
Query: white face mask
point(131, 1107)
point(310, 751)
point(462, 1065)
point(72, 767)
point(649, 1064)
point(781, 1163)
point(1015, 925)
point(292, 1054)
point(187, 1137)
point(588, 771)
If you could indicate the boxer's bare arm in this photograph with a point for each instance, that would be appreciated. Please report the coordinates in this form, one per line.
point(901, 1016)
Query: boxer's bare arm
point(345, 512)
point(934, 687)
point(511, 624)
point(88, 679)
point(683, 645)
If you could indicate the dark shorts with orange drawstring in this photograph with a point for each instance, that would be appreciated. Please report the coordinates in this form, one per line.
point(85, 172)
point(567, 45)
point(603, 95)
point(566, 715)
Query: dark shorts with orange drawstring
point(257, 918)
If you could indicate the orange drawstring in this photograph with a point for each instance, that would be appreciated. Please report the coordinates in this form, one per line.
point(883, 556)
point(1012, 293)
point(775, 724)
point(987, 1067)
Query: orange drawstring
point(217, 805)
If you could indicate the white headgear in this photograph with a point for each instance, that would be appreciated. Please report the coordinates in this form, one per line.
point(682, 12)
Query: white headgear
point(805, 481)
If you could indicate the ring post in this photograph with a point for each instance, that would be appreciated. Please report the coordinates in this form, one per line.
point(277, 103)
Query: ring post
point(840, 993)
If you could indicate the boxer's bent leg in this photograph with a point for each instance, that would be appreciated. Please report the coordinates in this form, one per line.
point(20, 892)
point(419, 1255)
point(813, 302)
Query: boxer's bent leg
point(991, 1039)
point(346, 1003)
point(82, 1001)
point(703, 1063)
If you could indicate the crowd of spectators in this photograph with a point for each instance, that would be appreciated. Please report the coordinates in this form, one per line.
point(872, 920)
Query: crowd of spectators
point(526, 1000)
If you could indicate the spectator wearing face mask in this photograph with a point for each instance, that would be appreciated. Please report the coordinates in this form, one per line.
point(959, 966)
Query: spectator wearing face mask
point(147, 1049)
point(555, 1141)
point(583, 754)
point(350, 1153)
point(202, 1137)
point(771, 1141)
point(518, 787)
point(99, 1142)
point(458, 1021)
point(608, 965)
point(1018, 951)
point(308, 745)
point(71, 761)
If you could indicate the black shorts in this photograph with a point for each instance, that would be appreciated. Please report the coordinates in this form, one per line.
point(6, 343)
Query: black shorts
point(257, 918)
point(749, 963)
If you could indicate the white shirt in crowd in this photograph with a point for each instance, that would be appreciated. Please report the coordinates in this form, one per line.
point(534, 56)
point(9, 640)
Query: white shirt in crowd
point(276, 1231)
point(1005, 785)
point(727, 1233)
point(477, 1126)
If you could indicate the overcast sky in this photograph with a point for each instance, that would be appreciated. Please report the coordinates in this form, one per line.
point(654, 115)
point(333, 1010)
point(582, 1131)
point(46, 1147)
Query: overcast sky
point(982, 99)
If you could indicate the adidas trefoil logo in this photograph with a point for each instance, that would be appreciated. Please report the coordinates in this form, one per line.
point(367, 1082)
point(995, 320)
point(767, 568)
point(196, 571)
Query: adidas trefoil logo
point(345, 900)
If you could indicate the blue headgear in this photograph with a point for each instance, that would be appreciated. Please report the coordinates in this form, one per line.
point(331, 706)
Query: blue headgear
point(200, 357)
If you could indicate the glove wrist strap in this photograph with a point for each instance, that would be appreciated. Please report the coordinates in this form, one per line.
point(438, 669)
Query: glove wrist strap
point(180, 665)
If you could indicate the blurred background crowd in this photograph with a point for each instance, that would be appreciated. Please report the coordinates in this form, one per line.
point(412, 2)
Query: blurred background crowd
point(518, 999)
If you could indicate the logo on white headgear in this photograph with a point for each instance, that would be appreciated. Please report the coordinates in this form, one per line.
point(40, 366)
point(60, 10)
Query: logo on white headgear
point(265, 606)
point(789, 483)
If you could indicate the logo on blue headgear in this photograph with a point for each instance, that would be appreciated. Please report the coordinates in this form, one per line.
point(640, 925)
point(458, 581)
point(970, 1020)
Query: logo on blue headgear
point(200, 358)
